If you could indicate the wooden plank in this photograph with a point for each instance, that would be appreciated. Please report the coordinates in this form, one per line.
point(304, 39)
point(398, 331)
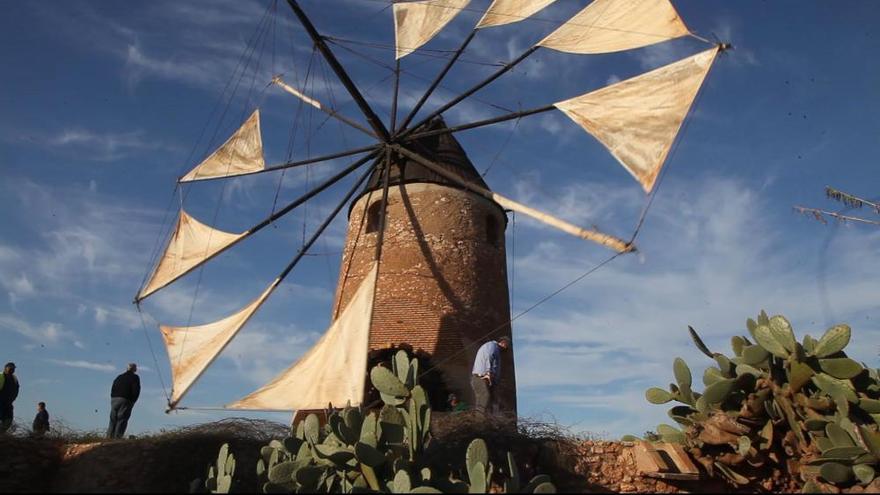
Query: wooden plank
point(681, 458)
point(647, 459)
point(664, 461)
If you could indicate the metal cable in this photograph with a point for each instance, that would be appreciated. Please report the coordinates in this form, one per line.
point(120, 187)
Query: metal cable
point(155, 359)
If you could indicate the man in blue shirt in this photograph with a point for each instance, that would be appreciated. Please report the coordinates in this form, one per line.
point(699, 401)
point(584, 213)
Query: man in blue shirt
point(487, 372)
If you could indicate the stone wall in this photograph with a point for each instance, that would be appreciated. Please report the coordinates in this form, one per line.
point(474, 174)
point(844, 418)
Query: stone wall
point(612, 466)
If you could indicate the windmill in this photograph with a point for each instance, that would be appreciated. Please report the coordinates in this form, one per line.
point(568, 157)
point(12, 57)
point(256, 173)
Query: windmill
point(440, 284)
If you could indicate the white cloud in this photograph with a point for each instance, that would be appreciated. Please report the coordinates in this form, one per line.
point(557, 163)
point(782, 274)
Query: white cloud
point(119, 317)
point(46, 333)
point(654, 56)
point(103, 146)
point(266, 349)
point(21, 285)
point(139, 65)
point(583, 203)
point(83, 235)
point(16, 283)
point(86, 365)
point(100, 316)
point(18, 287)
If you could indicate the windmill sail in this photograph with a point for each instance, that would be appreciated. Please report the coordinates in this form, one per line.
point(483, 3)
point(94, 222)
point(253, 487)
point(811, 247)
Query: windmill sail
point(415, 23)
point(606, 26)
point(638, 119)
point(331, 372)
point(192, 349)
point(509, 11)
point(191, 244)
point(242, 153)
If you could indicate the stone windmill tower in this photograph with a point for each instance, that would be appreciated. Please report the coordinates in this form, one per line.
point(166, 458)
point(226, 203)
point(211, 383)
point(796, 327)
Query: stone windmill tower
point(442, 283)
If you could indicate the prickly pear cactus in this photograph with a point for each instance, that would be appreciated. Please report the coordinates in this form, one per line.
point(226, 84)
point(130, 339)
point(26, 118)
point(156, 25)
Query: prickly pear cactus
point(372, 451)
point(220, 475)
point(804, 408)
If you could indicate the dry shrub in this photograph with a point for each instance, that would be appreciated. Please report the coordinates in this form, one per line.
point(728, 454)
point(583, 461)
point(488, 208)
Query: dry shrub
point(165, 461)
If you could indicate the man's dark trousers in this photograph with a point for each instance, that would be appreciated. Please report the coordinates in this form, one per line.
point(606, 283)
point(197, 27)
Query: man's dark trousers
point(482, 394)
point(6, 416)
point(120, 411)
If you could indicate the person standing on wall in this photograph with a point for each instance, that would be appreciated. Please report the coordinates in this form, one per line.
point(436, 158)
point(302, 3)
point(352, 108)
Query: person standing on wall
point(487, 373)
point(125, 392)
point(8, 394)
point(41, 420)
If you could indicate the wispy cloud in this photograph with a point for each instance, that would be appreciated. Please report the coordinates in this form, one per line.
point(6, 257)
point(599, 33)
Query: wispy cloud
point(17, 287)
point(80, 237)
point(118, 317)
point(46, 333)
point(86, 365)
point(265, 350)
point(105, 146)
point(654, 56)
point(139, 65)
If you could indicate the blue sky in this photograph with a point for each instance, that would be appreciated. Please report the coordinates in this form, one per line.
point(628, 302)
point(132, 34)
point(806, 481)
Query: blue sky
point(104, 104)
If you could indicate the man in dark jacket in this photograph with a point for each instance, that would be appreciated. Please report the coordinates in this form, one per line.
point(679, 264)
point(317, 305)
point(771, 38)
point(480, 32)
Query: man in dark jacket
point(125, 392)
point(8, 394)
point(41, 420)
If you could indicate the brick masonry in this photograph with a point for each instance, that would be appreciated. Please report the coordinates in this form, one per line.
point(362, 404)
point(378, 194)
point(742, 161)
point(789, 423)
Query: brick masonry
point(442, 285)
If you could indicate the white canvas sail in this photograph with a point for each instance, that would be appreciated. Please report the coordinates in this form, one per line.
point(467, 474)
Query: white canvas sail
point(502, 12)
point(415, 23)
point(639, 118)
point(606, 26)
point(191, 244)
point(192, 349)
point(242, 153)
point(334, 371)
